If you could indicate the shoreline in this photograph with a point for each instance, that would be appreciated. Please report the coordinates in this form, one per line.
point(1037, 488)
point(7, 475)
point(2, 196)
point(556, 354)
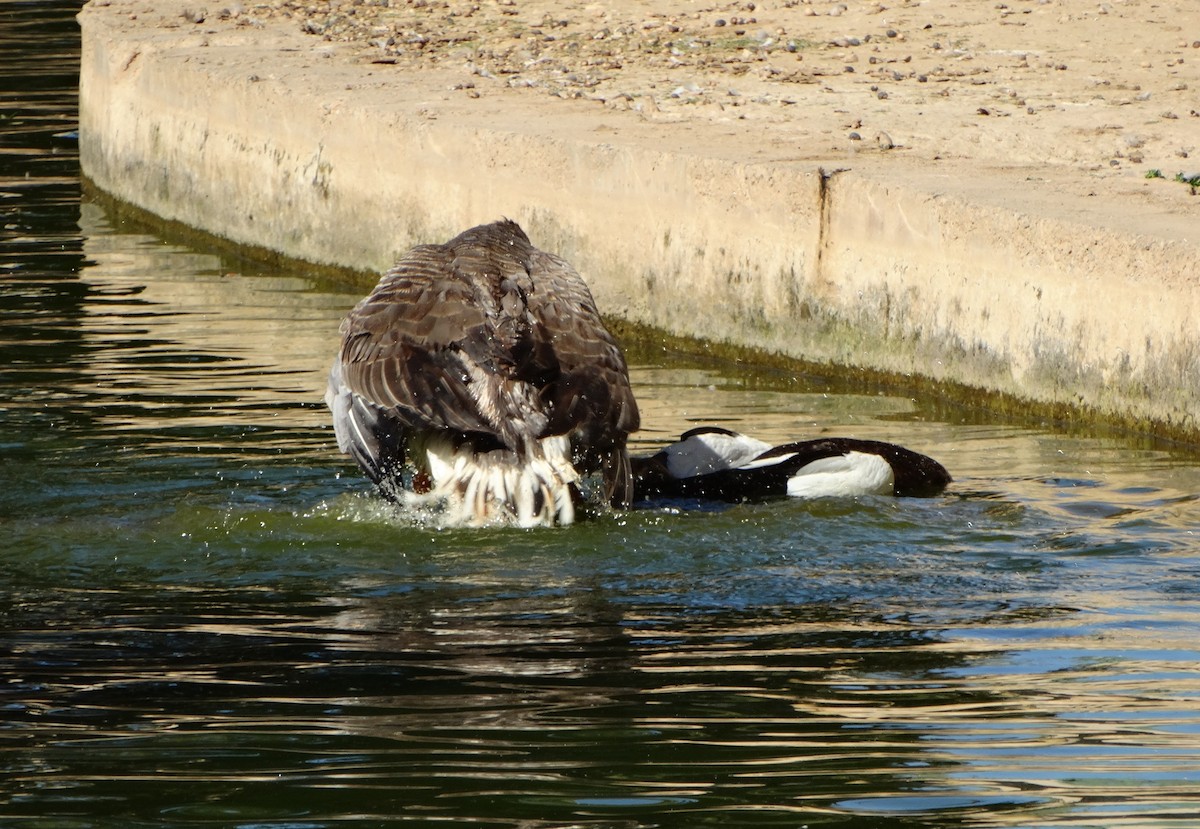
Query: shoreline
point(999, 277)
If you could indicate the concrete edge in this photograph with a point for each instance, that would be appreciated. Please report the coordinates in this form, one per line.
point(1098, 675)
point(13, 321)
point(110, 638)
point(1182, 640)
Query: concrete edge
point(852, 268)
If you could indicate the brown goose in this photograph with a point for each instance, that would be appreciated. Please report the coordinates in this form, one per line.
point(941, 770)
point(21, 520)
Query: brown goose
point(480, 371)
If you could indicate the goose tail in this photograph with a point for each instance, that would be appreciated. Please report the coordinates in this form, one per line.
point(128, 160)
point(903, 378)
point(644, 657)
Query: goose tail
point(500, 486)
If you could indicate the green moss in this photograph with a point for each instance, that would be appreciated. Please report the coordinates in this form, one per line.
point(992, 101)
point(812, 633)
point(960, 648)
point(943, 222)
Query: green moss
point(938, 399)
point(734, 44)
point(234, 255)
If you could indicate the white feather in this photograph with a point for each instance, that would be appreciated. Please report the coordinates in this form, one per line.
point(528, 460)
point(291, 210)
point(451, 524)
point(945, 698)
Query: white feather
point(338, 399)
point(710, 452)
point(763, 463)
point(855, 473)
point(499, 487)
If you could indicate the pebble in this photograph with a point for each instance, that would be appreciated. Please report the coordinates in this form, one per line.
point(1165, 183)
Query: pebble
point(671, 43)
point(686, 89)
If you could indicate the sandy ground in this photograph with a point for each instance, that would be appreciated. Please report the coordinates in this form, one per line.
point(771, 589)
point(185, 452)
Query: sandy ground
point(1100, 93)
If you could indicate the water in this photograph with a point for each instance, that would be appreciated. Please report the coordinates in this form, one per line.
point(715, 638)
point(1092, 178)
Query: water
point(208, 620)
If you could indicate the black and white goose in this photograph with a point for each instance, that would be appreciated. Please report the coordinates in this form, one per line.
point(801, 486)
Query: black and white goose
point(715, 464)
point(479, 372)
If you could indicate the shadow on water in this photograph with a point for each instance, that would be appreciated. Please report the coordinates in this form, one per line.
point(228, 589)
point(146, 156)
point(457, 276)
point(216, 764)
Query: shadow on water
point(207, 620)
point(448, 701)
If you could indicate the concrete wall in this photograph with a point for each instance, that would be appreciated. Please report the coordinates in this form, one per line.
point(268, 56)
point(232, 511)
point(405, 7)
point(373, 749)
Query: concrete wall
point(867, 267)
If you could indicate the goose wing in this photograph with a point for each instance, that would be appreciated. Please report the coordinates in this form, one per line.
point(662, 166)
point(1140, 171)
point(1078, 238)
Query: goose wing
point(590, 389)
point(446, 341)
point(587, 394)
point(414, 344)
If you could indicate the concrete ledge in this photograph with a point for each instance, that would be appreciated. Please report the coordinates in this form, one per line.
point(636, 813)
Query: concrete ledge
point(893, 266)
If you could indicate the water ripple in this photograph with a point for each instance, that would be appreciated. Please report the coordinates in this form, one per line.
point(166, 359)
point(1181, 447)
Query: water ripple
point(209, 620)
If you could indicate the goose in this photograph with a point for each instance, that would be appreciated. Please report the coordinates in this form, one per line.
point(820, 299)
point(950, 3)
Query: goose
point(479, 372)
point(716, 464)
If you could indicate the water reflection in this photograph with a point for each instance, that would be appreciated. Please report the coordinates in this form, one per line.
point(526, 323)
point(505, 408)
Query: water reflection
point(177, 341)
point(444, 703)
point(439, 696)
point(40, 244)
point(206, 624)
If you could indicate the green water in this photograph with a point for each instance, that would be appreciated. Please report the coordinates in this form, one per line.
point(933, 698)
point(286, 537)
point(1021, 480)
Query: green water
point(206, 619)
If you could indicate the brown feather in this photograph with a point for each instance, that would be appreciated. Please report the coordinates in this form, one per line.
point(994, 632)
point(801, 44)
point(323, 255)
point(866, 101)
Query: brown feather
point(490, 338)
